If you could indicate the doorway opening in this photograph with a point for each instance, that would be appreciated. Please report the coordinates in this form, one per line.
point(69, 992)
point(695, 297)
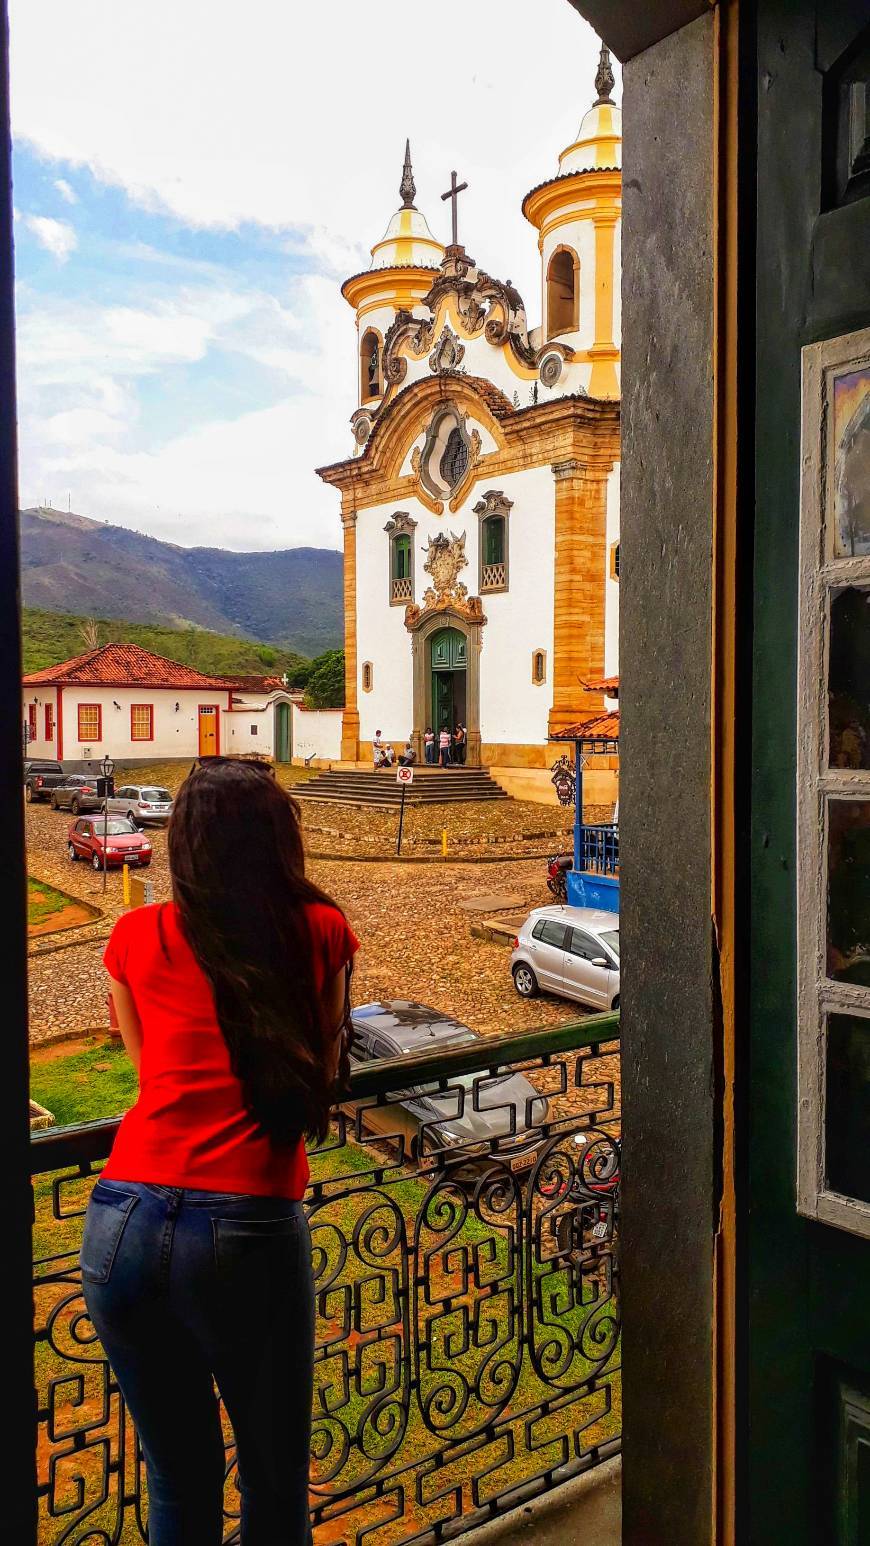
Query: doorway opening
point(282, 732)
point(448, 660)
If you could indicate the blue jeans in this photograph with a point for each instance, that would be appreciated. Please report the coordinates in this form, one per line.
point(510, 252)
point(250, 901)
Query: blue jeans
point(189, 1288)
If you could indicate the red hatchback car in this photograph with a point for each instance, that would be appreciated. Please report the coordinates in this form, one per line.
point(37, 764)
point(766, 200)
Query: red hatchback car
point(125, 844)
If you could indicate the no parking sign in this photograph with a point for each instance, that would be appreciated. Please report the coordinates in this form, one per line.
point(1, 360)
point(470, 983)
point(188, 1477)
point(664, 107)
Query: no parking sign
point(404, 775)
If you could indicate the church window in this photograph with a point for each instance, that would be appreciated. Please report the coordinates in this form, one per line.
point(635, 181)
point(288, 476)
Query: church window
point(494, 512)
point(400, 531)
point(367, 676)
point(370, 367)
point(614, 561)
point(454, 462)
point(539, 667)
point(562, 293)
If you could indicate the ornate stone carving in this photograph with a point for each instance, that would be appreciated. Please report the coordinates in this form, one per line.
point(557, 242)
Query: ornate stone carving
point(400, 523)
point(361, 424)
point(468, 608)
point(445, 559)
point(448, 352)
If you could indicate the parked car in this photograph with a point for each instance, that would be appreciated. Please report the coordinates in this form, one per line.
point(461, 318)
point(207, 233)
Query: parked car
point(143, 803)
point(77, 793)
point(427, 1119)
point(125, 844)
point(40, 778)
point(570, 951)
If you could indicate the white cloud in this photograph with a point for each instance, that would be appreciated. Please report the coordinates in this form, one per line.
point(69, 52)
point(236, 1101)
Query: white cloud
point(295, 121)
point(67, 193)
point(56, 236)
point(298, 118)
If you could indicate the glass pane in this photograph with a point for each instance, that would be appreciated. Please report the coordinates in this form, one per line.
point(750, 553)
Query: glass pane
point(847, 1106)
point(494, 540)
point(849, 679)
point(849, 891)
point(401, 558)
point(851, 462)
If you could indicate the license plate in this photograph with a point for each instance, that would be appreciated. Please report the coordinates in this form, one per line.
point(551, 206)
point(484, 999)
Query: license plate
point(524, 1161)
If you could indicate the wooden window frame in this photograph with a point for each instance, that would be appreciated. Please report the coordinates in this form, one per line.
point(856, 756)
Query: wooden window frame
point(367, 676)
point(31, 723)
point(493, 504)
point(400, 592)
point(539, 681)
point(822, 574)
point(150, 708)
point(89, 739)
point(49, 722)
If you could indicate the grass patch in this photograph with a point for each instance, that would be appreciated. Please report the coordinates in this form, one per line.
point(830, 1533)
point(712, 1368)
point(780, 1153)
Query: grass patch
point(97, 1082)
point(43, 901)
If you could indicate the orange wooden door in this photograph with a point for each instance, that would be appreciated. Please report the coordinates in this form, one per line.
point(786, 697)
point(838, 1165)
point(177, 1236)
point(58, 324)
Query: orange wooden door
point(208, 730)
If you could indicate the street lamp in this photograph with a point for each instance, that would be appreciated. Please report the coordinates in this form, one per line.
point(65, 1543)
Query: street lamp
point(107, 768)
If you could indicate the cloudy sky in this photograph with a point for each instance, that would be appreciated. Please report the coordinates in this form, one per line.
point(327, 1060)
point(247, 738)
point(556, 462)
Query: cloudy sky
point(194, 179)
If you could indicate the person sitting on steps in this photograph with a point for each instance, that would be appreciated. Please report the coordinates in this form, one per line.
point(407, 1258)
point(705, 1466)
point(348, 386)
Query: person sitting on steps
point(409, 756)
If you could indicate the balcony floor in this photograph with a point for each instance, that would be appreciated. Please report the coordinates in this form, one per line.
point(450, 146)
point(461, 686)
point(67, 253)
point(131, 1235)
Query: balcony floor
point(584, 1512)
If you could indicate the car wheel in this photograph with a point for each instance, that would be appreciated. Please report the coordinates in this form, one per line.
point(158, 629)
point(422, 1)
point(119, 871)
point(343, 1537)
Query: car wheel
point(75, 807)
point(615, 1004)
point(525, 981)
point(70, 848)
point(28, 794)
point(96, 863)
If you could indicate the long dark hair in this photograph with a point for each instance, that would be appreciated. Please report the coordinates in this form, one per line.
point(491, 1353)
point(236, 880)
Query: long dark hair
point(239, 883)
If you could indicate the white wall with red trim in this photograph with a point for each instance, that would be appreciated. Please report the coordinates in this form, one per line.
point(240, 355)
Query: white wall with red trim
point(174, 722)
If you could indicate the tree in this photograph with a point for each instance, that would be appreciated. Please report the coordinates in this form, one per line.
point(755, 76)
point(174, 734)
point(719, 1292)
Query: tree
point(325, 686)
point(89, 633)
point(266, 655)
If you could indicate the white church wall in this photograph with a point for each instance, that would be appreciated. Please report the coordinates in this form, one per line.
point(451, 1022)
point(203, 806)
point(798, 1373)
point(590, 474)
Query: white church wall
point(611, 595)
point(513, 711)
point(579, 235)
point(383, 640)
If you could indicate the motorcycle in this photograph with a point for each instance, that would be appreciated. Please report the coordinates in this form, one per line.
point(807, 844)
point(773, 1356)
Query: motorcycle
point(558, 866)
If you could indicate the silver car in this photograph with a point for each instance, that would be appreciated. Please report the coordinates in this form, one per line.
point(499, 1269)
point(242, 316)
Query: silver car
point(143, 803)
point(570, 951)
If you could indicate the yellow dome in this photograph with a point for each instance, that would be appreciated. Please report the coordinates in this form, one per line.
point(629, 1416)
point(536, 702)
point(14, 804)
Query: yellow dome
point(407, 240)
point(598, 142)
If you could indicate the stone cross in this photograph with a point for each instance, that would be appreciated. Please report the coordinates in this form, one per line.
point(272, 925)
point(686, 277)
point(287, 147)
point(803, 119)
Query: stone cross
point(453, 193)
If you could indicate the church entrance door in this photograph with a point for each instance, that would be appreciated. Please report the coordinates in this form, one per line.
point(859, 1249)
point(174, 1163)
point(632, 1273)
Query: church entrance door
point(448, 658)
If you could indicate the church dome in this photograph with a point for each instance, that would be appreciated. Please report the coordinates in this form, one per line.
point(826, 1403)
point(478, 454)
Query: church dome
point(598, 143)
point(599, 138)
point(407, 240)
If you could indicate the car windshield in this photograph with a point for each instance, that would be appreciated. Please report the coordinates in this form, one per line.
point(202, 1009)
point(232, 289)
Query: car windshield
point(611, 939)
point(116, 829)
point(155, 796)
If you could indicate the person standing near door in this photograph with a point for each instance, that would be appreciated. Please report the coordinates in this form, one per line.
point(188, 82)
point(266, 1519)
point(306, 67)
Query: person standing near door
point(233, 1003)
point(429, 745)
point(444, 747)
point(459, 745)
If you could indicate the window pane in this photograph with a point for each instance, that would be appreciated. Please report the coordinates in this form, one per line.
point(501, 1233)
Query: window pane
point(851, 459)
point(401, 558)
point(554, 934)
point(89, 722)
point(140, 722)
point(849, 891)
point(847, 1106)
point(493, 547)
point(849, 679)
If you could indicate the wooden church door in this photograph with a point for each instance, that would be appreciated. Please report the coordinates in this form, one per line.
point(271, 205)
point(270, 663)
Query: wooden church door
point(804, 1408)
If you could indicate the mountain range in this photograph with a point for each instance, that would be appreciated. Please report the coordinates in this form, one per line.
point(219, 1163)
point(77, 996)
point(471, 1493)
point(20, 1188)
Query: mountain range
point(292, 597)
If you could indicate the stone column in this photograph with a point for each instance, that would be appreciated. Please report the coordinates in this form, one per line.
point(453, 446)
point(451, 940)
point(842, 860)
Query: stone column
point(350, 717)
point(578, 622)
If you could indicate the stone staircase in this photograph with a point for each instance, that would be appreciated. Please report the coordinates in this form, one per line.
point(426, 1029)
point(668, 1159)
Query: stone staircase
point(431, 786)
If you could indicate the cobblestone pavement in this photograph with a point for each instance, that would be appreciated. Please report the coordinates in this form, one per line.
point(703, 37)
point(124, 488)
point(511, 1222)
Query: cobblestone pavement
point(415, 940)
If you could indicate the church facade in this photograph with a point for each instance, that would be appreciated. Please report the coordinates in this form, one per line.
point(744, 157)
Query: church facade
point(480, 505)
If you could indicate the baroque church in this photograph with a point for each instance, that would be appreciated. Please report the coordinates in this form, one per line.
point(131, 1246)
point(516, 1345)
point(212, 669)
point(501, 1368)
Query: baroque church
point(480, 504)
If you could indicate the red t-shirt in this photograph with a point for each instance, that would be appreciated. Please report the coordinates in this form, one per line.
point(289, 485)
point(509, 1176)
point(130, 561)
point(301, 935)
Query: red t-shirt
point(189, 1126)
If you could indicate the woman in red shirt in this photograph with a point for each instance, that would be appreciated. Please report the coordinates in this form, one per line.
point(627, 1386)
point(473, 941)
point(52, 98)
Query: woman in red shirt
point(233, 1002)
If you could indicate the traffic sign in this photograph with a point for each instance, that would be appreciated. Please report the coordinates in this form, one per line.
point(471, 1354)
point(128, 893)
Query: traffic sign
point(404, 775)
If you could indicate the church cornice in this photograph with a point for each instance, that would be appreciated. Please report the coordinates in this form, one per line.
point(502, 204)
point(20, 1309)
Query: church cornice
point(539, 434)
point(401, 277)
point(599, 181)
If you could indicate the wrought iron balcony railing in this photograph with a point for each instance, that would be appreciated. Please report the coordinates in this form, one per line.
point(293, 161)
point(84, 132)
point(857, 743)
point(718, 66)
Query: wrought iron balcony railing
point(599, 849)
point(467, 1299)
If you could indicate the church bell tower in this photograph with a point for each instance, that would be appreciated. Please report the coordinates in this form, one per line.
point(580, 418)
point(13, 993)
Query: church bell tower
point(404, 265)
point(577, 215)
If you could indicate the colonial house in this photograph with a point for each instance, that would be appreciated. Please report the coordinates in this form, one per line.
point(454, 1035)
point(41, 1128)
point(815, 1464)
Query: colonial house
point(123, 701)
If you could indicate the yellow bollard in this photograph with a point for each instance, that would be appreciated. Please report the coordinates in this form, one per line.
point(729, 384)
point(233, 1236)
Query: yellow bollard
point(126, 885)
point(444, 842)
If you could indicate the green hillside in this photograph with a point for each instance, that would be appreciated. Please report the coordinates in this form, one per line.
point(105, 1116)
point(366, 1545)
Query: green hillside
point(49, 637)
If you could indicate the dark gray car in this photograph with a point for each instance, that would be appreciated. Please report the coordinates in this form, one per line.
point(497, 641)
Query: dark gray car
point(510, 1110)
point(77, 793)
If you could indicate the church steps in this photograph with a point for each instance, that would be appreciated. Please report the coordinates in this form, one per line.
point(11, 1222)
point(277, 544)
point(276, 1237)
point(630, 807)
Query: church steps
point(430, 787)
